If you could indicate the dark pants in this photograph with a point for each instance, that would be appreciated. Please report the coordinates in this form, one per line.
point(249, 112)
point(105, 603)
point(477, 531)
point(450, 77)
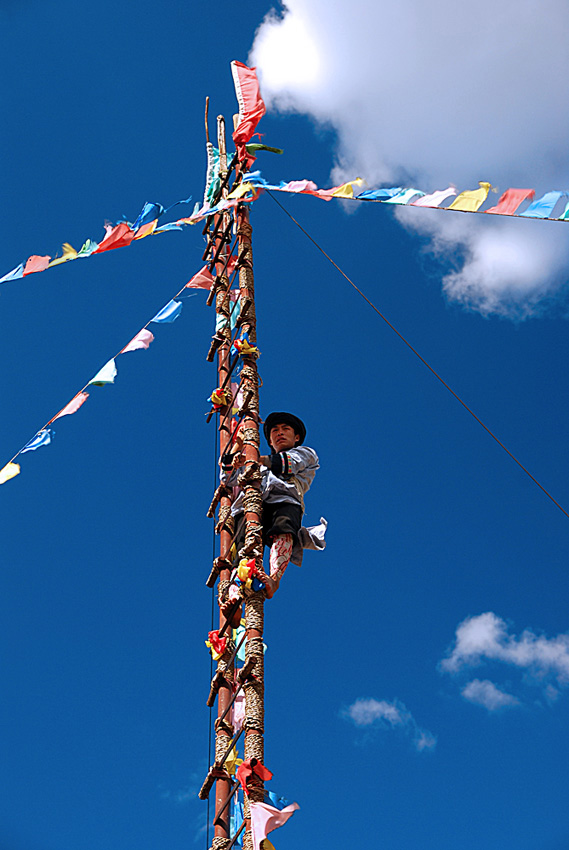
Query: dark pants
point(278, 518)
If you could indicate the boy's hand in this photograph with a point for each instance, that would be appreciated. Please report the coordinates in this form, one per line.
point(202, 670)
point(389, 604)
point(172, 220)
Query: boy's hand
point(265, 460)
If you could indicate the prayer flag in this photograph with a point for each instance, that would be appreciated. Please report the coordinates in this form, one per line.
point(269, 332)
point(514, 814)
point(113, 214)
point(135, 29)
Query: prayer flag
point(36, 264)
point(303, 186)
point(234, 309)
point(256, 147)
point(543, 207)
point(265, 819)
point(42, 438)
point(435, 199)
point(9, 471)
point(201, 280)
point(141, 340)
point(116, 237)
point(146, 229)
point(510, 201)
point(251, 107)
point(273, 799)
point(240, 191)
point(404, 197)
point(72, 407)
point(15, 274)
point(239, 710)
point(88, 248)
point(172, 225)
point(169, 313)
point(148, 214)
point(106, 375)
point(213, 180)
point(68, 253)
point(236, 820)
point(245, 770)
point(379, 194)
point(346, 190)
point(565, 214)
point(232, 762)
point(239, 632)
point(471, 201)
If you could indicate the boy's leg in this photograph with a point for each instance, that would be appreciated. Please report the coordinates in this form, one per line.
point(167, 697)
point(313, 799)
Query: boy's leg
point(281, 550)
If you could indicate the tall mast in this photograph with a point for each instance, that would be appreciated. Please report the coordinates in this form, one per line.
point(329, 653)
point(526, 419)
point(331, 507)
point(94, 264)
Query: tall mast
point(229, 244)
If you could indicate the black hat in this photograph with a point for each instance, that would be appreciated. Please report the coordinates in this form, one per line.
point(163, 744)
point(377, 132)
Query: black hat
point(284, 419)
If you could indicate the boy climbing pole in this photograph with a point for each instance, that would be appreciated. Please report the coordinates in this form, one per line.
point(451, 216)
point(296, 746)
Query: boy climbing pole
point(288, 473)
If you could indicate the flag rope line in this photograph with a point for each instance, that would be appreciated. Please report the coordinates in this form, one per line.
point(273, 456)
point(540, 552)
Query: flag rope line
point(53, 418)
point(422, 359)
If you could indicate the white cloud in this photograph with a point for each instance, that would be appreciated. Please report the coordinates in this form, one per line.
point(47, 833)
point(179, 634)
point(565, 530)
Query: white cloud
point(486, 637)
point(486, 693)
point(389, 715)
point(439, 93)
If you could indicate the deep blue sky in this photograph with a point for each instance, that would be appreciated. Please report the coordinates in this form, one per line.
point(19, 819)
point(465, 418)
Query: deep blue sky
point(106, 546)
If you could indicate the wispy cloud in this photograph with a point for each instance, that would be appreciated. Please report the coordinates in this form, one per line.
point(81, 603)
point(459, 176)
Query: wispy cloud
point(389, 715)
point(421, 94)
point(486, 639)
point(486, 693)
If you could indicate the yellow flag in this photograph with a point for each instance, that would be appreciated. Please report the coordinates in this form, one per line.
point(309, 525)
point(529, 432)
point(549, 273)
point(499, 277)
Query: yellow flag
point(347, 189)
point(232, 762)
point(69, 253)
point(241, 190)
point(9, 471)
point(471, 201)
point(266, 844)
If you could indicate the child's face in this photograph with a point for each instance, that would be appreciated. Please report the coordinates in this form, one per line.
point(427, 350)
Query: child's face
point(283, 438)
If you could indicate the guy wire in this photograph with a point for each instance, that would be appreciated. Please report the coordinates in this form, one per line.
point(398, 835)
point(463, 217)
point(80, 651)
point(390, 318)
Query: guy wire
point(422, 359)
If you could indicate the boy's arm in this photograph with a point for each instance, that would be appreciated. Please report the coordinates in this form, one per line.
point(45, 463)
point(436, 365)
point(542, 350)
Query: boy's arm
point(292, 461)
point(229, 471)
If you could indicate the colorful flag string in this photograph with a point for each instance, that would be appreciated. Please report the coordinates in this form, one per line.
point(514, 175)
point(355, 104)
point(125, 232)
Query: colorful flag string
point(250, 187)
point(471, 200)
point(203, 279)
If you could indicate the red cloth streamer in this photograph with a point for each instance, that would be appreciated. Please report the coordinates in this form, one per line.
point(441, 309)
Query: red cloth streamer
point(201, 280)
point(510, 201)
point(247, 769)
point(36, 264)
point(117, 237)
point(217, 643)
point(251, 107)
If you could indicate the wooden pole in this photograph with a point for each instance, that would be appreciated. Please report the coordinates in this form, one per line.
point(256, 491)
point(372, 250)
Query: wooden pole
point(224, 730)
point(253, 685)
point(254, 723)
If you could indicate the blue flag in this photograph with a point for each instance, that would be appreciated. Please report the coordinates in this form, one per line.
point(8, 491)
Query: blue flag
point(169, 313)
point(42, 438)
point(543, 207)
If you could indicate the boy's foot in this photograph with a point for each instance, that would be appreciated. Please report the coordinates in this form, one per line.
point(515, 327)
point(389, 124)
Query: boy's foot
point(271, 584)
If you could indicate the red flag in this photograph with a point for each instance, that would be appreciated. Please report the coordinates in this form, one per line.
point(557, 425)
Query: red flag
point(510, 201)
point(72, 406)
point(251, 107)
point(245, 770)
point(116, 237)
point(36, 264)
point(219, 644)
point(201, 280)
